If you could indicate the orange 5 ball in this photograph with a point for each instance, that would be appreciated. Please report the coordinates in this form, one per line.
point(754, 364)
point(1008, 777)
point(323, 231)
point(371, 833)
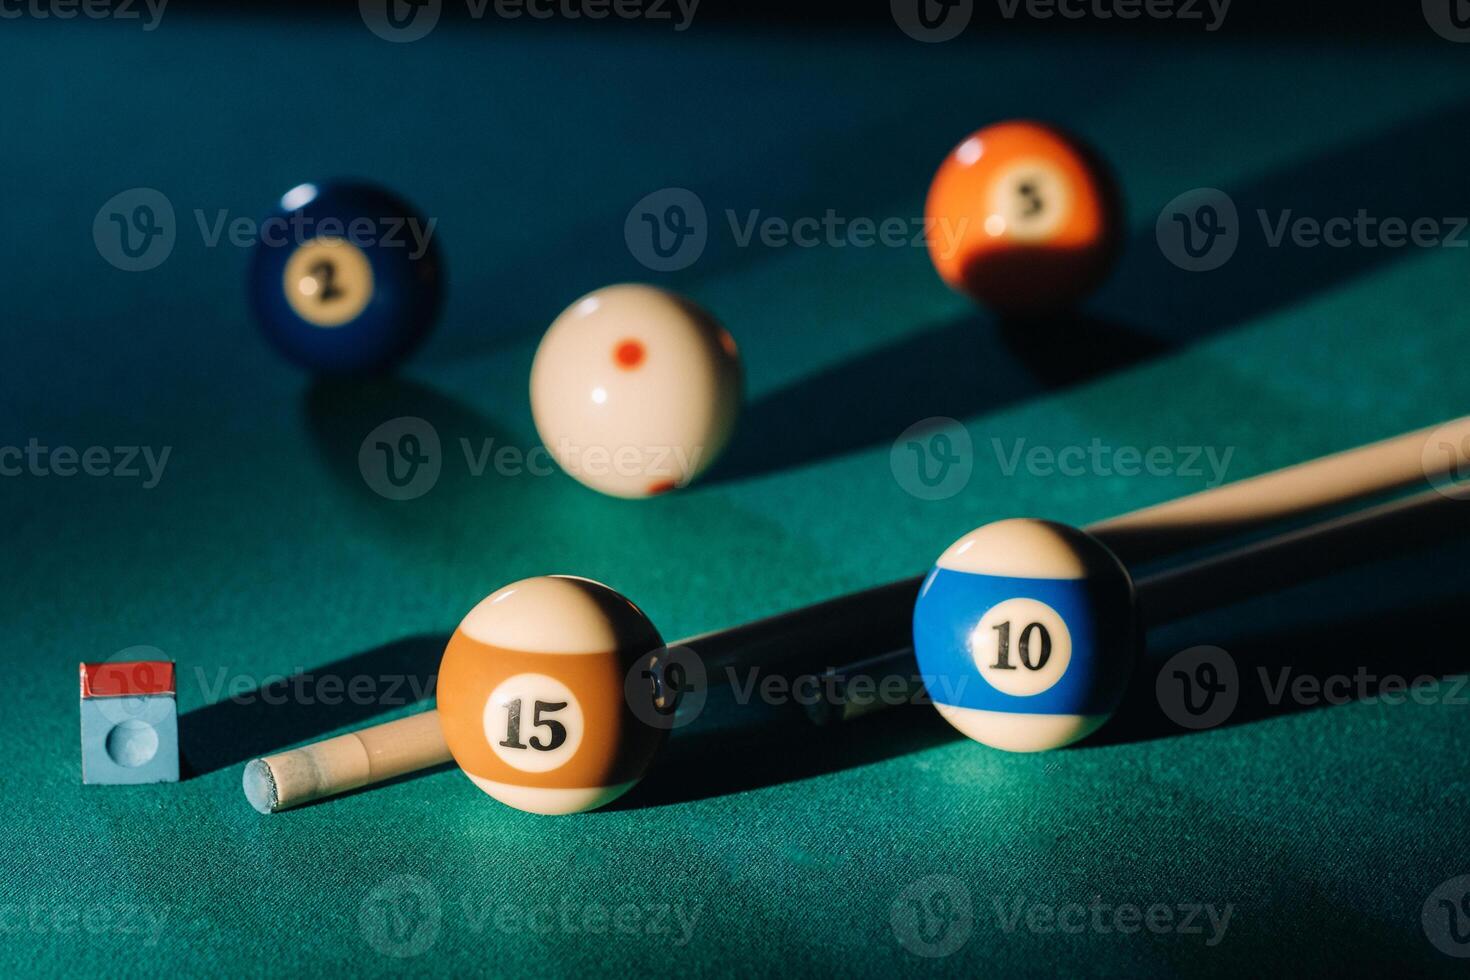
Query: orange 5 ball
point(1023, 219)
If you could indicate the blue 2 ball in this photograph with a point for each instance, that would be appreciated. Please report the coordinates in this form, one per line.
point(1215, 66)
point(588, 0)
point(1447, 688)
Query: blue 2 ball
point(1026, 633)
point(346, 278)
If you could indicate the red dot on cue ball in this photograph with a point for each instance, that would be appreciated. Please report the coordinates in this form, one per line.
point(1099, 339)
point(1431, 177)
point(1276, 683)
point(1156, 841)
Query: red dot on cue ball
point(629, 354)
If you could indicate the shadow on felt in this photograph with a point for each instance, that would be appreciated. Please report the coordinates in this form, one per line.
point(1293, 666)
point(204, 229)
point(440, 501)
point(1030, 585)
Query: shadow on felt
point(738, 758)
point(748, 757)
point(1378, 645)
point(340, 414)
point(772, 746)
point(282, 711)
point(958, 370)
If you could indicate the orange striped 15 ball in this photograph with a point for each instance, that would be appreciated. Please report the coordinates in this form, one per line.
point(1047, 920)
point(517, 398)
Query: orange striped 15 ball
point(635, 390)
point(1023, 218)
point(532, 695)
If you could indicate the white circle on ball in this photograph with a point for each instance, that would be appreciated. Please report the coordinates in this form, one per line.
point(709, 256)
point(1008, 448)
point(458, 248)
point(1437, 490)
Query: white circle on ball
point(328, 282)
point(1029, 201)
point(534, 722)
point(1021, 647)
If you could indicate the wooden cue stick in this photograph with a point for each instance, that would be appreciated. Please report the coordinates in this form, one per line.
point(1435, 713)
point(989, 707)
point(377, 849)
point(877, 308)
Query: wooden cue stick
point(1252, 570)
point(857, 621)
point(865, 619)
point(1306, 553)
point(1343, 477)
point(347, 762)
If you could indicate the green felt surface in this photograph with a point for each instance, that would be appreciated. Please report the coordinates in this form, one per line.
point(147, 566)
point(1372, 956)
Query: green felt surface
point(262, 553)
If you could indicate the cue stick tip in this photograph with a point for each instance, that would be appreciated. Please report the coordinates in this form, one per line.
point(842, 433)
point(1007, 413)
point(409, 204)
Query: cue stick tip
point(260, 786)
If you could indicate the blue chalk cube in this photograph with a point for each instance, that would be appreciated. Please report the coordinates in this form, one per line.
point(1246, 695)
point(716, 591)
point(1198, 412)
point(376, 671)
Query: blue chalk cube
point(130, 723)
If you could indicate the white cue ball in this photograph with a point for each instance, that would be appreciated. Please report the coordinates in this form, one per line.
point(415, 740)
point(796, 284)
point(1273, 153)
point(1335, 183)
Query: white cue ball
point(635, 390)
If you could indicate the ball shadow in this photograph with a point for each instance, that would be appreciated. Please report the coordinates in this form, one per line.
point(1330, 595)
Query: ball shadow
point(340, 415)
point(959, 369)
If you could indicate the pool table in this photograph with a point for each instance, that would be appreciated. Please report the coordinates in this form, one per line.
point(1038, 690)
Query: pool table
point(176, 488)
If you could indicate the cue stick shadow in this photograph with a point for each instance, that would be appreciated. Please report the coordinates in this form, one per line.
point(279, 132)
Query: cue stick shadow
point(781, 747)
point(1267, 664)
point(959, 370)
point(740, 758)
point(282, 711)
point(977, 364)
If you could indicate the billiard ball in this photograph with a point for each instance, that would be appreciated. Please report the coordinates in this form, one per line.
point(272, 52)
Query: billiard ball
point(532, 696)
point(1023, 218)
point(345, 278)
point(1026, 632)
point(634, 390)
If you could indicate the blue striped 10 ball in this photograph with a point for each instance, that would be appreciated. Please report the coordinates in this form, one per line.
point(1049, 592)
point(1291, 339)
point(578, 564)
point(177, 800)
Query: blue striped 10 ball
point(1026, 632)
